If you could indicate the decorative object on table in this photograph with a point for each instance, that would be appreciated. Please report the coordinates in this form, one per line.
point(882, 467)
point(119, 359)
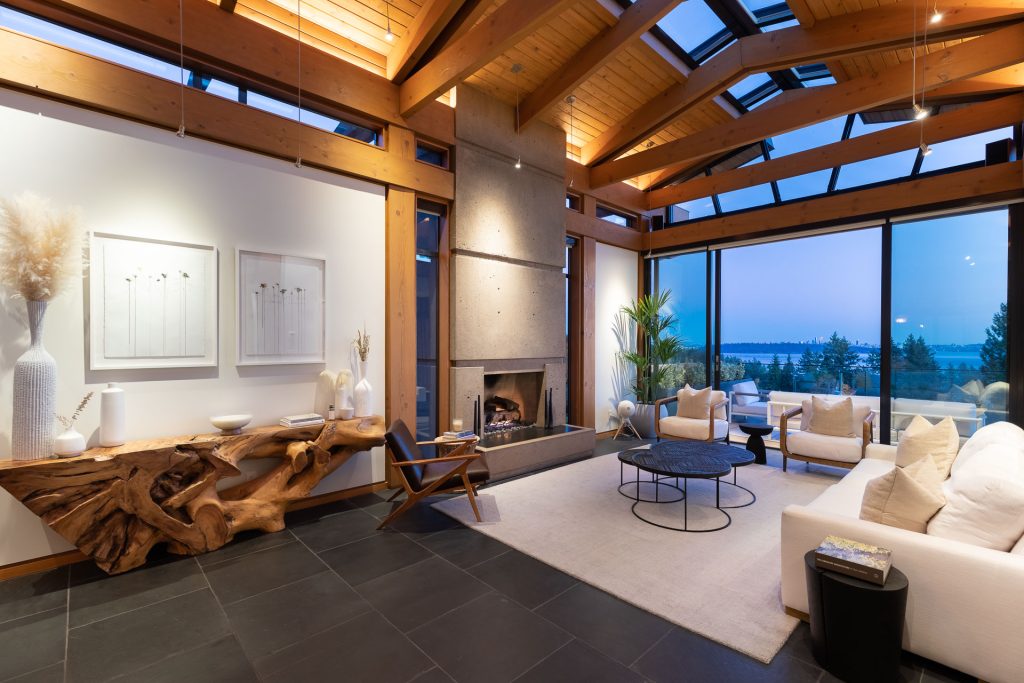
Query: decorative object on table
point(343, 395)
point(113, 427)
point(304, 420)
point(280, 303)
point(851, 618)
point(363, 391)
point(650, 360)
point(457, 424)
point(326, 382)
point(165, 491)
point(756, 431)
point(40, 249)
point(230, 424)
point(625, 411)
point(71, 442)
point(859, 560)
point(152, 303)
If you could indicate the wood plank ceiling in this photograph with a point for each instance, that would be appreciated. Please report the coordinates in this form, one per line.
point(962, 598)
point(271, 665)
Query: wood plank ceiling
point(355, 30)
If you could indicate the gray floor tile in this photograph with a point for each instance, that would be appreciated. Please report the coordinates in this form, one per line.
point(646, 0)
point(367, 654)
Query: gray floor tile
point(95, 595)
point(281, 617)
point(526, 580)
point(51, 674)
point(419, 520)
point(219, 662)
point(489, 639)
point(616, 628)
point(579, 663)
point(245, 543)
point(435, 675)
point(32, 642)
point(134, 640)
point(375, 556)
point(248, 575)
point(366, 648)
point(464, 547)
point(414, 595)
point(32, 594)
point(338, 529)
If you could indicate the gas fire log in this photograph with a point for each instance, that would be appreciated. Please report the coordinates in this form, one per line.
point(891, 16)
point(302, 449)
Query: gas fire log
point(115, 504)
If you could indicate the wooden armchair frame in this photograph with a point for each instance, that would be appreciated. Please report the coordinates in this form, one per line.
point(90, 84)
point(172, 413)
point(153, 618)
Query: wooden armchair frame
point(867, 437)
point(724, 403)
point(460, 450)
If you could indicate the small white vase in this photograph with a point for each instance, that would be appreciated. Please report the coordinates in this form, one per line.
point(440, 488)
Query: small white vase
point(35, 393)
point(69, 444)
point(112, 416)
point(363, 393)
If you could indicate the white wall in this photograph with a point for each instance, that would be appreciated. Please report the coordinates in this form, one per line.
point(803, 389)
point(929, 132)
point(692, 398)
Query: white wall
point(136, 180)
point(615, 281)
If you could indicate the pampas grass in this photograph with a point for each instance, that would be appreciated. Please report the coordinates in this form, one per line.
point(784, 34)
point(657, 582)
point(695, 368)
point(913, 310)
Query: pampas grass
point(40, 247)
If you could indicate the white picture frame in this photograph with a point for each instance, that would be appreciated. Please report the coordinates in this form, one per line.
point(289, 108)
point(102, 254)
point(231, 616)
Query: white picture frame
point(152, 303)
point(280, 306)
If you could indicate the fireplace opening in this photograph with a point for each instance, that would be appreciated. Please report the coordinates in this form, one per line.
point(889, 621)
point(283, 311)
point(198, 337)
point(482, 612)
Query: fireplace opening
point(511, 401)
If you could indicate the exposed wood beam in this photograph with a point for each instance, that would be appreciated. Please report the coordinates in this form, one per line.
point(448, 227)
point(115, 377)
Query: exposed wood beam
point(580, 225)
point(472, 11)
point(636, 20)
point(46, 70)
point(980, 185)
point(995, 83)
point(499, 31)
point(802, 12)
point(955, 124)
point(620, 195)
point(228, 5)
point(428, 24)
point(996, 50)
point(866, 31)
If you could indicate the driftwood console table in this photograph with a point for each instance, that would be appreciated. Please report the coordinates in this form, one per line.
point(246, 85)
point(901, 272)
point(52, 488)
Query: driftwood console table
point(115, 504)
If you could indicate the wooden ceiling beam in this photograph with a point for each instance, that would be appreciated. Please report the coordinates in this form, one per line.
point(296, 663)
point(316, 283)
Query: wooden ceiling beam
point(228, 5)
point(483, 43)
point(428, 24)
point(636, 20)
point(865, 31)
point(955, 124)
point(996, 50)
point(985, 184)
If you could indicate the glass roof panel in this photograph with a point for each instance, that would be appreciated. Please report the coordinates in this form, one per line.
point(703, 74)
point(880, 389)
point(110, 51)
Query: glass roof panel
point(962, 150)
point(697, 208)
point(879, 169)
point(805, 138)
point(754, 5)
point(757, 195)
point(691, 23)
point(804, 185)
point(748, 84)
point(782, 24)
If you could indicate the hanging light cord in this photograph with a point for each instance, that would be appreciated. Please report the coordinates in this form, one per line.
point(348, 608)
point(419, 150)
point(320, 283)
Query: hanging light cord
point(298, 40)
point(181, 66)
point(913, 52)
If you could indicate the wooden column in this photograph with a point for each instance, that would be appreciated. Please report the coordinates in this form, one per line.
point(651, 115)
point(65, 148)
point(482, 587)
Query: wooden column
point(400, 297)
point(588, 354)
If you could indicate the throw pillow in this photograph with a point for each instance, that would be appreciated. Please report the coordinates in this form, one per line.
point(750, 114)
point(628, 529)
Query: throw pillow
point(922, 438)
point(805, 415)
point(998, 433)
point(986, 510)
point(1019, 548)
point(831, 419)
point(904, 497)
point(693, 403)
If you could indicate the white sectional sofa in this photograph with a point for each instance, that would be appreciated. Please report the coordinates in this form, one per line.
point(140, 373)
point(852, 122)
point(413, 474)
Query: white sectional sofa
point(965, 606)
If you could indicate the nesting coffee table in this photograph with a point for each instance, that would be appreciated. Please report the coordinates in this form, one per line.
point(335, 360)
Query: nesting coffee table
point(675, 460)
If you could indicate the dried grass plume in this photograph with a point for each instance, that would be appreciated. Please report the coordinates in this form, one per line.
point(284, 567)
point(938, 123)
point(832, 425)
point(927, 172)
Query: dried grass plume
point(40, 246)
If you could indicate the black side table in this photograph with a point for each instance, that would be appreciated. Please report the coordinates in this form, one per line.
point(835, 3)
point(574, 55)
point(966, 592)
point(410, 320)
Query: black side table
point(756, 431)
point(856, 626)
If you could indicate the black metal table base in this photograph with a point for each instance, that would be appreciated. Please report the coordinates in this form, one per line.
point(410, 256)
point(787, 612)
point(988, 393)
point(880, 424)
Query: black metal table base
point(658, 482)
point(753, 496)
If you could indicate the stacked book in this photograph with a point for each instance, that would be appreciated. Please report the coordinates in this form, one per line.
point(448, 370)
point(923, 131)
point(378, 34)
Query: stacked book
point(464, 434)
point(859, 560)
point(305, 420)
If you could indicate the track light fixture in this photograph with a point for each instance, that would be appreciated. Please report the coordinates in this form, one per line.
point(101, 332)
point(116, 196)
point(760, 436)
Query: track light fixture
point(516, 70)
point(519, 163)
point(389, 36)
point(925, 149)
point(921, 112)
point(936, 14)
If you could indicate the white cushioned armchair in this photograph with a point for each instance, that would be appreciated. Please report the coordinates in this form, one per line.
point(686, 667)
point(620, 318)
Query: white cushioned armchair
point(715, 427)
point(824, 449)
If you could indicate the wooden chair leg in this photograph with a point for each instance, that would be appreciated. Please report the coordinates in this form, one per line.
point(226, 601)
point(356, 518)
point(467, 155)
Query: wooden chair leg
point(783, 461)
point(472, 496)
point(406, 504)
point(394, 495)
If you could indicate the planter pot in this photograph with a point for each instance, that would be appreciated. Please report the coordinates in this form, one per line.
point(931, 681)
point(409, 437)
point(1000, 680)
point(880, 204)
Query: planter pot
point(69, 444)
point(643, 419)
point(35, 393)
point(363, 394)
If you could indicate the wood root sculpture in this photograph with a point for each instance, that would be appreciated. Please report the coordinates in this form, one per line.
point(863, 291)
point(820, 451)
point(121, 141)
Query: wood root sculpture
point(115, 504)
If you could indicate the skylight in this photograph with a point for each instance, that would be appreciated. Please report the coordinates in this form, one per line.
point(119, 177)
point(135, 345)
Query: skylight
point(696, 29)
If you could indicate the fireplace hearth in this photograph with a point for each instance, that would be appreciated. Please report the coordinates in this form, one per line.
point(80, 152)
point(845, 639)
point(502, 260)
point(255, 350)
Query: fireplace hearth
point(511, 401)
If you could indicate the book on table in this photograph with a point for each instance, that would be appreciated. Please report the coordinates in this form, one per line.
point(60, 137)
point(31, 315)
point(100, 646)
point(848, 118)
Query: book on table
point(303, 420)
point(464, 434)
point(852, 558)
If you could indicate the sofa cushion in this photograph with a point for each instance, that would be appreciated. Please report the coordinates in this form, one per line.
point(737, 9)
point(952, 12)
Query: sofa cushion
point(838, 448)
point(922, 438)
point(693, 403)
point(986, 510)
point(1019, 548)
point(692, 428)
point(1004, 433)
point(749, 388)
point(846, 495)
point(831, 418)
point(904, 497)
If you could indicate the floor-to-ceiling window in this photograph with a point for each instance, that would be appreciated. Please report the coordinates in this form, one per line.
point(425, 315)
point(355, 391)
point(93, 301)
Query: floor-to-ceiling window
point(949, 297)
point(685, 276)
point(429, 231)
point(571, 318)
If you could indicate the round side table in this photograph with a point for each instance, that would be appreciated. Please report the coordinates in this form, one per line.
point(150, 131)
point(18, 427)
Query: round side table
point(756, 431)
point(856, 626)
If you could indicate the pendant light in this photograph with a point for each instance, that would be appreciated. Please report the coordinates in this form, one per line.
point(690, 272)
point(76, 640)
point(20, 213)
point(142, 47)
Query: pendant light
point(516, 70)
point(181, 66)
point(936, 14)
point(389, 36)
point(920, 112)
point(298, 40)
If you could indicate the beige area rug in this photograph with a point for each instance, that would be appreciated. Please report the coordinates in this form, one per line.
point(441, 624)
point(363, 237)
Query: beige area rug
point(724, 585)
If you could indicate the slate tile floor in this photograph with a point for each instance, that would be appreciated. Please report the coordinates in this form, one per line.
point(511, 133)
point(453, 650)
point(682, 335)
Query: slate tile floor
point(332, 599)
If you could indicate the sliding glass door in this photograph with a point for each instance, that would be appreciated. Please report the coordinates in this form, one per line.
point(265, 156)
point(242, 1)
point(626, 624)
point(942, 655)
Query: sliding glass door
point(686, 277)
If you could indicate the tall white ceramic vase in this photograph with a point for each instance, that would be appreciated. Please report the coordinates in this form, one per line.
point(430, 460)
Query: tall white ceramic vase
point(113, 429)
point(35, 393)
point(363, 394)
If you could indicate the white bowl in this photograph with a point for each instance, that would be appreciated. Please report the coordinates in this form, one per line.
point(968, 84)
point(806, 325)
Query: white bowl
point(230, 424)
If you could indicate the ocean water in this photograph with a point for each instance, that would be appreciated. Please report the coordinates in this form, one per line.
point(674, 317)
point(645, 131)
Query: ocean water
point(972, 359)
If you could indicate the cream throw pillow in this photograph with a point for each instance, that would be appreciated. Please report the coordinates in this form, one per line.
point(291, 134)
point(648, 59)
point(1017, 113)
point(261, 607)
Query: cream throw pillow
point(905, 497)
point(831, 419)
point(922, 438)
point(693, 403)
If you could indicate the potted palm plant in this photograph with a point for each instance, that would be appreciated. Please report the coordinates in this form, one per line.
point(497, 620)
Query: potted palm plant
point(656, 348)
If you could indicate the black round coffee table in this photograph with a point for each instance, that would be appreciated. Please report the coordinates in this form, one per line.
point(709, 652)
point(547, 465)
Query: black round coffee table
point(756, 431)
point(679, 460)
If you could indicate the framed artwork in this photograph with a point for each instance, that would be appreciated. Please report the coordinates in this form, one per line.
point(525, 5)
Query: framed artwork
point(280, 303)
point(152, 303)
